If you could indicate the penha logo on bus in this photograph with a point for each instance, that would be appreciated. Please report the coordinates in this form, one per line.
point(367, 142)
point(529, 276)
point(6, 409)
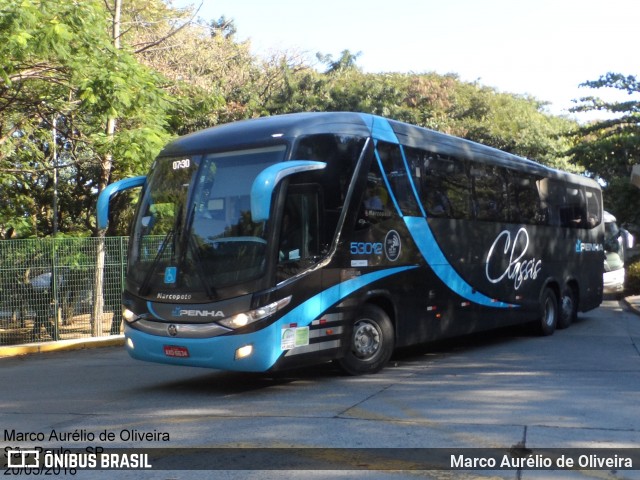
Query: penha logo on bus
point(191, 312)
point(588, 247)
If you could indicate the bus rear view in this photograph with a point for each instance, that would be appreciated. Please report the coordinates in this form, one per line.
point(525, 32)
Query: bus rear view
point(281, 241)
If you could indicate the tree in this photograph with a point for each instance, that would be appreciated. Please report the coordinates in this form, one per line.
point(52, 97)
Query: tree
point(347, 61)
point(223, 27)
point(609, 148)
point(59, 64)
point(166, 74)
point(514, 123)
point(72, 93)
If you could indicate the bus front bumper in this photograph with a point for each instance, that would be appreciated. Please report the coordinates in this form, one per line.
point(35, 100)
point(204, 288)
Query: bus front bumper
point(253, 352)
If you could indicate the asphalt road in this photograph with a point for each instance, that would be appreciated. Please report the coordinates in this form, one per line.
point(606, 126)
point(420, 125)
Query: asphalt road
point(579, 388)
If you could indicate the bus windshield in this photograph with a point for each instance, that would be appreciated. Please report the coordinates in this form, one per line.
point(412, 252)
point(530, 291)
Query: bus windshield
point(193, 232)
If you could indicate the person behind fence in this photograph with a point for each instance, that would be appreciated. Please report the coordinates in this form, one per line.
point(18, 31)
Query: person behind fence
point(41, 291)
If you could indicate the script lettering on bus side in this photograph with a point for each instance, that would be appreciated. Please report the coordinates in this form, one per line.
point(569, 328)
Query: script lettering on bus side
point(519, 269)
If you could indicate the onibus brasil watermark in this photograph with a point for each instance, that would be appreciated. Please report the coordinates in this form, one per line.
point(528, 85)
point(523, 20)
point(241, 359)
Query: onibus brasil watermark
point(44, 460)
point(591, 461)
point(67, 452)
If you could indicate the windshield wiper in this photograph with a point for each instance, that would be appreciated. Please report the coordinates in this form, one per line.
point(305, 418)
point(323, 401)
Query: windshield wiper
point(195, 250)
point(171, 236)
point(144, 286)
point(189, 244)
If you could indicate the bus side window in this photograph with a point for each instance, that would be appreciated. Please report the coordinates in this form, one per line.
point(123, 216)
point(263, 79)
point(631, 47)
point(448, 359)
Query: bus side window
point(299, 244)
point(374, 207)
point(390, 156)
point(566, 203)
point(551, 200)
point(489, 192)
point(441, 182)
point(341, 153)
point(576, 207)
point(524, 200)
point(445, 187)
point(435, 197)
point(290, 234)
point(593, 207)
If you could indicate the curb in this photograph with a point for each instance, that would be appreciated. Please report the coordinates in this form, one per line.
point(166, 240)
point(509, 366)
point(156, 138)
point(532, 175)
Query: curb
point(633, 303)
point(62, 345)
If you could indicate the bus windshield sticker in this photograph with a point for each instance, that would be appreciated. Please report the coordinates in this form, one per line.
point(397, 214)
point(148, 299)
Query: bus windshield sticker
point(294, 337)
point(170, 275)
point(518, 268)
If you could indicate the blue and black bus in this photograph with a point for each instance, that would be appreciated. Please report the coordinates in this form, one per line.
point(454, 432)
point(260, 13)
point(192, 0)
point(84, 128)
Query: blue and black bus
point(279, 241)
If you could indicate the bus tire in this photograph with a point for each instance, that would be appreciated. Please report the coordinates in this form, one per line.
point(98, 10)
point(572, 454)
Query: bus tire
point(370, 344)
point(549, 312)
point(568, 307)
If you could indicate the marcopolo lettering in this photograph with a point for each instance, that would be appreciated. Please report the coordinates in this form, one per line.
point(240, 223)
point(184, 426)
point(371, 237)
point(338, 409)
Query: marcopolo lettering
point(173, 296)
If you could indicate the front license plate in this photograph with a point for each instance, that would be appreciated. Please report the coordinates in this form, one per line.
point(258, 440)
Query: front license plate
point(176, 351)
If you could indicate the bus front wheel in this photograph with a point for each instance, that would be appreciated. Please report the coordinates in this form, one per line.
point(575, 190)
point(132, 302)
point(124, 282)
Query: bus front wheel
point(549, 312)
point(371, 342)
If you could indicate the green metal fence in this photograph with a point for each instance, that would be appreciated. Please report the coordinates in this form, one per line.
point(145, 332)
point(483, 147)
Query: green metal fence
point(47, 289)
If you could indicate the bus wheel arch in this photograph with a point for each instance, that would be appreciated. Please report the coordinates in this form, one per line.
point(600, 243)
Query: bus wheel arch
point(549, 309)
point(569, 301)
point(370, 342)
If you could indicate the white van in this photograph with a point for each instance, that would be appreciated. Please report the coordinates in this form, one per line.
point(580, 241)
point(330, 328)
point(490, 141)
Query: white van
point(616, 242)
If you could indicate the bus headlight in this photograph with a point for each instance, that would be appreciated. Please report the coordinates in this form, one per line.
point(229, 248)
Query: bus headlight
point(128, 315)
point(243, 319)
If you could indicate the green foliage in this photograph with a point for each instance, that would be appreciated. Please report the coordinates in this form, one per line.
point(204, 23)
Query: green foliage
point(608, 149)
point(632, 279)
point(509, 122)
point(62, 78)
point(223, 27)
point(347, 61)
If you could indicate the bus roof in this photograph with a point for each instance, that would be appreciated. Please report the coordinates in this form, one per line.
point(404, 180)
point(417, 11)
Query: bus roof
point(274, 129)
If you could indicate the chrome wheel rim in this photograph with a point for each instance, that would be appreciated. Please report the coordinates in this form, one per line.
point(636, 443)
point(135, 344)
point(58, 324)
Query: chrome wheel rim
point(549, 312)
point(567, 306)
point(366, 339)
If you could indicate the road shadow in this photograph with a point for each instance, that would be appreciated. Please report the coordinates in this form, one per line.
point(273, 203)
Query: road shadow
point(230, 383)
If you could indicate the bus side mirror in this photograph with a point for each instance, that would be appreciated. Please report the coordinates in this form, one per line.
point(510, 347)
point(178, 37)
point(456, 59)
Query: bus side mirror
point(267, 180)
point(111, 190)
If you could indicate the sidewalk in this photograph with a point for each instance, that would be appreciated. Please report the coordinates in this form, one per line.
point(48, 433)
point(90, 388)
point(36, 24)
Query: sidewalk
point(633, 302)
point(62, 345)
point(73, 334)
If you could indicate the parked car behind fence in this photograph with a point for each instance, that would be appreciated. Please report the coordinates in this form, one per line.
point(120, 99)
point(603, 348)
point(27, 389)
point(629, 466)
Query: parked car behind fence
point(46, 288)
point(617, 243)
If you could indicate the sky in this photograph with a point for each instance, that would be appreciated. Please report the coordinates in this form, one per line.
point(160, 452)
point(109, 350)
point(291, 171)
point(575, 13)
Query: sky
point(542, 48)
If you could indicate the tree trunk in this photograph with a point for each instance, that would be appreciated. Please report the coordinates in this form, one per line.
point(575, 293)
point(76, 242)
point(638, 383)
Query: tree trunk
point(105, 174)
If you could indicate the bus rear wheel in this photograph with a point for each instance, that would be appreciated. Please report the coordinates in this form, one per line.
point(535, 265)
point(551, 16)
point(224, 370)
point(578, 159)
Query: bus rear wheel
point(549, 312)
point(568, 307)
point(371, 342)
